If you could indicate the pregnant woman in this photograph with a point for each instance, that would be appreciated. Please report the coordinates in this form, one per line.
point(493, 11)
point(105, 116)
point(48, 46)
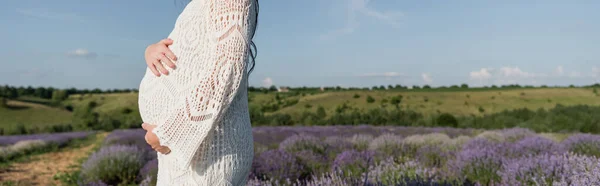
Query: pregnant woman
point(196, 112)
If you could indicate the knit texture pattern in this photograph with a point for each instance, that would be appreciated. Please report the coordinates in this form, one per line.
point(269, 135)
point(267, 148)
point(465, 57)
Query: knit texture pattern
point(201, 107)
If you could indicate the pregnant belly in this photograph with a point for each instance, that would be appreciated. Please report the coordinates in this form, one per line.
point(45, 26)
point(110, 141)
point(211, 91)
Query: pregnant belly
point(159, 94)
point(152, 99)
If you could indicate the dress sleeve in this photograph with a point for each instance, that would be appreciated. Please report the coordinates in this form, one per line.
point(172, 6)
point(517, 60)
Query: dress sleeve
point(189, 124)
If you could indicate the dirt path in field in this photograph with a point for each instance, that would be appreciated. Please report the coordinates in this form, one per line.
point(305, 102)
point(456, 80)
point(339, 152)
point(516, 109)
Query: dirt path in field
point(41, 169)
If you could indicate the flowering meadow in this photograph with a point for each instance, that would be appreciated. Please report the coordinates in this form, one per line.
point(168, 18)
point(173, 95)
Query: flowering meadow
point(18, 145)
point(372, 155)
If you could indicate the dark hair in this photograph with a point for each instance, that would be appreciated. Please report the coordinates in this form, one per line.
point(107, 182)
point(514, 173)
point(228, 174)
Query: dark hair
point(254, 52)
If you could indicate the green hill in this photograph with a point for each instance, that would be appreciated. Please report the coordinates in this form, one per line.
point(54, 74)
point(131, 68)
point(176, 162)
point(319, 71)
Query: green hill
point(31, 114)
point(117, 110)
point(457, 103)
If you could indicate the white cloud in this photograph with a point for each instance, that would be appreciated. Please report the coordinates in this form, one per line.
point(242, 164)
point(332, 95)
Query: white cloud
point(484, 73)
point(515, 75)
point(426, 77)
point(384, 74)
point(516, 72)
point(504, 75)
point(83, 53)
point(559, 71)
point(356, 8)
point(46, 14)
point(267, 82)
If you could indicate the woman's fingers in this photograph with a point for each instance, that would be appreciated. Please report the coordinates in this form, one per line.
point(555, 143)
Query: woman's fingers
point(168, 61)
point(166, 41)
point(165, 60)
point(170, 55)
point(153, 69)
point(162, 149)
point(160, 68)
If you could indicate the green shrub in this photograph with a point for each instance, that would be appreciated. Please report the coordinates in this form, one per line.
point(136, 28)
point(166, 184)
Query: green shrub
point(370, 99)
point(447, 119)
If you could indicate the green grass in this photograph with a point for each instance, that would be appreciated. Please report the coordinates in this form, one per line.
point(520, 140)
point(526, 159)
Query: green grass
point(459, 102)
point(107, 103)
point(31, 99)
point(32, 114)
point(453, 102)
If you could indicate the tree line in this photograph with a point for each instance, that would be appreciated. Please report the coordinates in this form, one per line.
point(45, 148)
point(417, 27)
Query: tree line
point(13, 92)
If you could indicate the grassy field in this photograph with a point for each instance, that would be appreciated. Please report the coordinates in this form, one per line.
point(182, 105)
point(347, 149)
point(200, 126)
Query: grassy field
point(107, 103)
point(32, 114)
point(453, 102)
point(464, 102)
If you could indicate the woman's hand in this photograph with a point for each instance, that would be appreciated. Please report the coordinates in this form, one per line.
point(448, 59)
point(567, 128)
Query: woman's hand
point(153, 141)
point(157, 52)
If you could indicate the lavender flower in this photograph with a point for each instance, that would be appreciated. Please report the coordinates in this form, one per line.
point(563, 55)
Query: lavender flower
point(515, 134)
point(583, 173)
point(57, 138)
point(456, 143)
point(96, 183)
point(259, 148)
point(478, 161)
point(337, 144)
point(436, 139)
point(21, 148)
point(361, 141)
point(492, 136)
point(131, 137)
point(545, 169)
point(552, 136)
point(353, 163)
point(149, 171)
point(533, 145)
point(299, 142)
point(586, 144)
point(389, 172)
point(113, 165)
point(434, 155)
point(312, 162)
point(387, 144)
point(277, 164)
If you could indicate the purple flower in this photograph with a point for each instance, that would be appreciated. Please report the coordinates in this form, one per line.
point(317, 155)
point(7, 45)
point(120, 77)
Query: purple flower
point(353, 163)
point(134, 137)
point(434, 155)
point(149, 171)
point(312, 162)
point(113, 165)
point(586, 144)
point(277, 164)
point(131, 137)
point(515, 134)
point(388, 144)
point(361, 141)
point(478, 161)
point(337, 144)
point(533, 145)
point(96, 183)
point(544, 169)
point(21, 148)
point(57, 138)
point(391, 172)
point(300, 142)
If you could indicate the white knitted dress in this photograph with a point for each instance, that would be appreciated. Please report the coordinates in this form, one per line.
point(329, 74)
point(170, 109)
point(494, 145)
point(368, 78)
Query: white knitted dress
point(201, 107)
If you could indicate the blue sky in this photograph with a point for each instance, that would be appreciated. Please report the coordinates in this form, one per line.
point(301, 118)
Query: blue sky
point(100, 44)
